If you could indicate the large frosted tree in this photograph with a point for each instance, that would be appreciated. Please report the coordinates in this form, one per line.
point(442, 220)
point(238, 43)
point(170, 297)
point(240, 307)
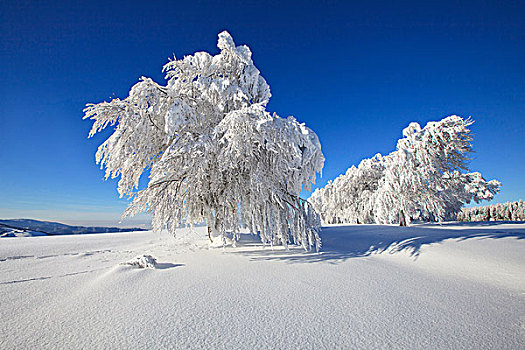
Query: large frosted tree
point(214, 152)
point(423, 179)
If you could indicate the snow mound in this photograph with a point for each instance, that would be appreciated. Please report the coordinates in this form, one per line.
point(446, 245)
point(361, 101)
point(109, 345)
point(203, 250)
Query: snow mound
point(142, 261)
point(221, 242)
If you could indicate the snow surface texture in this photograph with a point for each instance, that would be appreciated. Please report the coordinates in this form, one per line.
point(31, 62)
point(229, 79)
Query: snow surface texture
point(454, 286)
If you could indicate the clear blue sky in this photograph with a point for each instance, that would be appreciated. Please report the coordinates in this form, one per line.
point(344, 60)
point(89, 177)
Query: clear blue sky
point(356, 72)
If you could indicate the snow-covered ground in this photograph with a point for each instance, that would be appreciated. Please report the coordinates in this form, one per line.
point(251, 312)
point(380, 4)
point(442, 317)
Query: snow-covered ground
point(455, 286)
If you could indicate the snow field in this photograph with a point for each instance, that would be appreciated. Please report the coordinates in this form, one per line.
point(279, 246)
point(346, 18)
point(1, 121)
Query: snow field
point(372, 287)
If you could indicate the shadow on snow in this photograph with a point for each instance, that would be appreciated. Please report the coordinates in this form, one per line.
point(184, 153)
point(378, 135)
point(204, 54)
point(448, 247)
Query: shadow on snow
point(344, 242)
point(165, 266)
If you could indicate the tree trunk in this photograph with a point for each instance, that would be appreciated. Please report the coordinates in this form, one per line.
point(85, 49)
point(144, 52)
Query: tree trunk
point(402, 220)
point(209, 234)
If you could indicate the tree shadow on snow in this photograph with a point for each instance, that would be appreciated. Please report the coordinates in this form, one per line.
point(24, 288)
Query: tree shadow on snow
point(474, 224)
point(344, 242)
point(165, 266)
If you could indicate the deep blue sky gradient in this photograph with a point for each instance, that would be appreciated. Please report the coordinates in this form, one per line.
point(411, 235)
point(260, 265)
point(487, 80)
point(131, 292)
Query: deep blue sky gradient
point(356, 72)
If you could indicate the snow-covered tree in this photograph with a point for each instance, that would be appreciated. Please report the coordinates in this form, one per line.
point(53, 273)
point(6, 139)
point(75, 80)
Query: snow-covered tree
point(422, 179)
point(213, 151)
point(350, 197)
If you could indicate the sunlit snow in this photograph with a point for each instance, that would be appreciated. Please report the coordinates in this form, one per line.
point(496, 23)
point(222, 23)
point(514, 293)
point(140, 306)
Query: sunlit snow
point(426, 286)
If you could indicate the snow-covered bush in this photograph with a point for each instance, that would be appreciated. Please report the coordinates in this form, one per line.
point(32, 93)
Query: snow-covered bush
point(422, 180)
point(214, 153)
point(142, 261)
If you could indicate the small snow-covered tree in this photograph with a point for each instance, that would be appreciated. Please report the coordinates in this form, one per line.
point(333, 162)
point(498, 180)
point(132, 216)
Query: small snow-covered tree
point(214, 153)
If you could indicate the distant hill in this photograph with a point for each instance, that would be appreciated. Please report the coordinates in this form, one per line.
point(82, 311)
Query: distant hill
point(29, 227)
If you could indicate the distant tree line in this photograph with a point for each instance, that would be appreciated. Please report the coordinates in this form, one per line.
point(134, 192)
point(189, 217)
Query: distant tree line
point(510, 211)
